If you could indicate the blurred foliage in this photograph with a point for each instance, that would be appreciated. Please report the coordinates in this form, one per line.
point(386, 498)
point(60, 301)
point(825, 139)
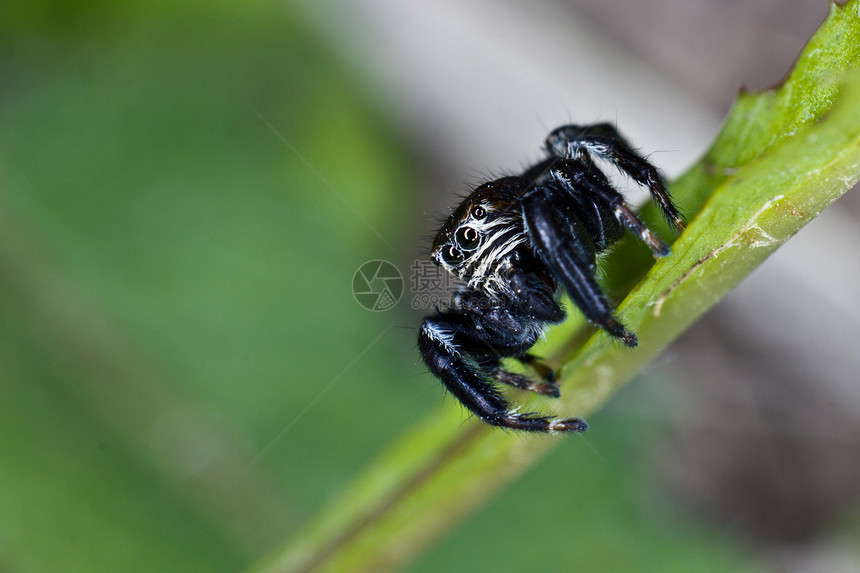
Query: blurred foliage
point(175, 295)
point(175, 283)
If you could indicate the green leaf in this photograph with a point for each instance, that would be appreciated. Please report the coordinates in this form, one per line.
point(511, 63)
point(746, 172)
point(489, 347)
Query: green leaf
point(782, 156)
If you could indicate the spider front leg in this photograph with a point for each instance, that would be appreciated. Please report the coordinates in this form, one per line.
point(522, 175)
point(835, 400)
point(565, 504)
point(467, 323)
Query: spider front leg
point(576, 178)
point(604, 140)
point(565, 247)
point(444, 340)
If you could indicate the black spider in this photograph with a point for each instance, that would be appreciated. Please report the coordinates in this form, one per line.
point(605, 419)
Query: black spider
point(512, 241)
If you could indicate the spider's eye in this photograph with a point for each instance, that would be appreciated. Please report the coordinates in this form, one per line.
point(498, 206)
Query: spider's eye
point(467, 238)
point(451, 255)
point(479, 212)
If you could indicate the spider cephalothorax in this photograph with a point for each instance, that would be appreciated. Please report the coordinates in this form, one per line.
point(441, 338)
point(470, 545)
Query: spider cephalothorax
point(513, 241)
point(479, 239)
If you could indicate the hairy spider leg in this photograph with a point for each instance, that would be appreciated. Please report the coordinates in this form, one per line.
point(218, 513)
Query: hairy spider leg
point(603, 140)
point(565, 247)
point(442, 354)
point(488, 349)
point(544, 371)
point(524, 383)
point(547, 386)
point(575, 177)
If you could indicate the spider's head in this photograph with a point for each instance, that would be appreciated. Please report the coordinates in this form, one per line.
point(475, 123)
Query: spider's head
point(481, 232)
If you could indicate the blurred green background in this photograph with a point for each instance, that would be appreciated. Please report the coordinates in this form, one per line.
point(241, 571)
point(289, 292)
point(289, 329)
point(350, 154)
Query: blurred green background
point(178, 235)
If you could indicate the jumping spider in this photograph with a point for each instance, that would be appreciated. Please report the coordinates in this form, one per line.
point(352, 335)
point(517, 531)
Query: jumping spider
point(513, 241)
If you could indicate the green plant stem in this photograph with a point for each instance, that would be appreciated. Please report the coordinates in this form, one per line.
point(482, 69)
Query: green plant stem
point(782, 157)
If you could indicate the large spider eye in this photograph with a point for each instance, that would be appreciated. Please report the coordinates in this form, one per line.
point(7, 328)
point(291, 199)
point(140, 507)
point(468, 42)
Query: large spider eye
point(467, 238)
point(479, 212)
point(451, 255)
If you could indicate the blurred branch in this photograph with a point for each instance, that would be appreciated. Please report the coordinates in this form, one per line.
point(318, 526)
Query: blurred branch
point(782, 156)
